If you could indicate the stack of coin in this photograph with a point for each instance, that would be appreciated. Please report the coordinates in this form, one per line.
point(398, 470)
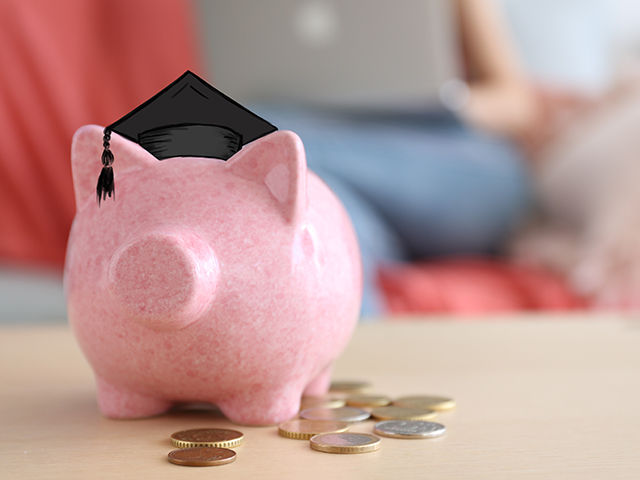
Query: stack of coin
point(205, 446)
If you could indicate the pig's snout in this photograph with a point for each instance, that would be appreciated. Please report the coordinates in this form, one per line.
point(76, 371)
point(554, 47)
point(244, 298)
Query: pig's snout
point(164, 279)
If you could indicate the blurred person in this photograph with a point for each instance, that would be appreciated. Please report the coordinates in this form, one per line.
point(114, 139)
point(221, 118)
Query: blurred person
point(587, 222)
point(459, 185)
point(433, 184)
point(585, 145)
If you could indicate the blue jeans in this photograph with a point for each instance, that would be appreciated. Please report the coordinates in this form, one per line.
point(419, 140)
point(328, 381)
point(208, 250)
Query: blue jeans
point(415, 186)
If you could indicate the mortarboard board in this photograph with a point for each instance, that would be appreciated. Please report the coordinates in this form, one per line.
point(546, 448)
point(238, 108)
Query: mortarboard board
point(188, 118)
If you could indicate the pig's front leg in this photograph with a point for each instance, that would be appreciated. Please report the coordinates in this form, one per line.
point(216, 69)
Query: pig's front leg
point(118, 402)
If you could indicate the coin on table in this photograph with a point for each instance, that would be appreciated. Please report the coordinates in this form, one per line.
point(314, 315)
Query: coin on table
point(345, 443)
point(367, 401)
point(426, 401)
point(321, 402)
point(305, 429)
point(349, 386)
point(201, 456)
point(409, 429)
point(207, 437)
point(341, 414)
point(392, 412)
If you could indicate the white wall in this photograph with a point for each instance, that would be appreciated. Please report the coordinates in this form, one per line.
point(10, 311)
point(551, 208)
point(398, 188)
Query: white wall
point(577, 43)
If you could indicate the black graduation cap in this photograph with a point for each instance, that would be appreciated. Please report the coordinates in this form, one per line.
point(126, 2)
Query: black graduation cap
point(188, 118)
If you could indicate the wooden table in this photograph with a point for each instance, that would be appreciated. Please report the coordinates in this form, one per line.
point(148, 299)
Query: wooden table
point(538, 397)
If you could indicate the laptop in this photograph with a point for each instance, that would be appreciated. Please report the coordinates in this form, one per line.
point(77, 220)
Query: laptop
point(398, 54)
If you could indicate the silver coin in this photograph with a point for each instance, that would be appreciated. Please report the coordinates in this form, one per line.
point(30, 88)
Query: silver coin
point(409, 429)
point(343, 414)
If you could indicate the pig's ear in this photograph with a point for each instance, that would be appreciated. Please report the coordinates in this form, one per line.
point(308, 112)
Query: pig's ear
point(278, 161)
point(86, 152)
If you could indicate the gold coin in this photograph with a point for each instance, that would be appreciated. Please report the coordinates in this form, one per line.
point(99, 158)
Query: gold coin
point(426, 401)
point(368, 401)
point(349, 386)
point(392, 412)
point(305, 429)
point(321, 402)
point(342, 414)
point(207, 437)
point(201, 456)
point(345, 443)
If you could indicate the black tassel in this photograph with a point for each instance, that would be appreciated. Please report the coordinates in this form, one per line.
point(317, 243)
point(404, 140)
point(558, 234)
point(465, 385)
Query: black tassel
point(106, 184)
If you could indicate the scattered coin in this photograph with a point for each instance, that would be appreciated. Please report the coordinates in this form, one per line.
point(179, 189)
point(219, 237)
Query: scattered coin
point(424, 401)
point(342, 414)
point(345, 443)
point(409, 429)
point(305, 429)
point(321, 402)
point(207, 437)
point(392, 412)
point(349, 386)
point(367, 401)
point(201, 456)
point(325, 421)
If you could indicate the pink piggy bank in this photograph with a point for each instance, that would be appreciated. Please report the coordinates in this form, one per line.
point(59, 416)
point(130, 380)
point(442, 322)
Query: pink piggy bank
point(232, 282)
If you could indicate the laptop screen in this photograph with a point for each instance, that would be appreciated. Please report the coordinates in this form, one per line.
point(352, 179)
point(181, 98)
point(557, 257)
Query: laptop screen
point(348, 53)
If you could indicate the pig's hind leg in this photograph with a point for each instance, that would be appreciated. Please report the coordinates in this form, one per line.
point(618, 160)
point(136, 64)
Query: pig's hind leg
point(320, 384)
point(118, 402)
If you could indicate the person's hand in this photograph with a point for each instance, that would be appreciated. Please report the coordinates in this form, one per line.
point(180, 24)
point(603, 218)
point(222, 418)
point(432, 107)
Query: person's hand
point(608, 270)
point(557, 109)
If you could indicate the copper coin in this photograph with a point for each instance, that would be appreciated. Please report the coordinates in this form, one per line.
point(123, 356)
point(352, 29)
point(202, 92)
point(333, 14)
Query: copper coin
point(207, 437)
point(201, 456)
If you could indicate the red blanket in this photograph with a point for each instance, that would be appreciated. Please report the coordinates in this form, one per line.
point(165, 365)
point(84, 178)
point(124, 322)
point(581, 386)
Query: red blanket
point(474, 286)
